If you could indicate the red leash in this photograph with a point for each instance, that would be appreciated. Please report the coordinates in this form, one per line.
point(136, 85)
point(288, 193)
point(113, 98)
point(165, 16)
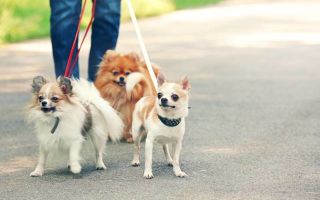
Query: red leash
point(70, 65)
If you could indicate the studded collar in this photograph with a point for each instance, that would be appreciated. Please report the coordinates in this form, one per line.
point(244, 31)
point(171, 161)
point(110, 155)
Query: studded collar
point(169, 122)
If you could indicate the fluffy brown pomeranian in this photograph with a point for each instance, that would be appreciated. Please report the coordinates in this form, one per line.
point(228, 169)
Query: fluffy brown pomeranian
point(123, 79)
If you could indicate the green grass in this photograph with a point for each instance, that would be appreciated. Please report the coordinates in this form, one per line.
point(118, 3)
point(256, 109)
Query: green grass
point(147, 8)
point(28, 19)
point(182, 4)
point(23, 19)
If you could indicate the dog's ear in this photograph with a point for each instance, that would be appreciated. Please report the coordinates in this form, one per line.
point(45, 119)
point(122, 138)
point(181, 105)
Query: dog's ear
point(134, 57)
point(65, 85)
point(185, 83)
point(161, 79)
point(110, 55)
point(37, 83)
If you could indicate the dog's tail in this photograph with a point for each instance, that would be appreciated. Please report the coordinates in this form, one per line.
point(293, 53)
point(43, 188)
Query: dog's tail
point(89, 94)
point(133, 79)
point(136, 78)
point(144, 79)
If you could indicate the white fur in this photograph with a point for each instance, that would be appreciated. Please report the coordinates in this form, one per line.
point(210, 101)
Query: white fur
point(89, 94)
point(133, 79)
point(181, 110)
point(156, 132)
point(67, 136)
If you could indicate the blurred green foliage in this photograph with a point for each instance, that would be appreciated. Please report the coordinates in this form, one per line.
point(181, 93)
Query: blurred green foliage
point(27, 19)
point(181, 4)
point(147, 8)
point(23, 19)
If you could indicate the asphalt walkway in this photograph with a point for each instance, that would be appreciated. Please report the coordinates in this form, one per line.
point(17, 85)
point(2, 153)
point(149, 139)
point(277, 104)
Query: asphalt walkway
point(253, 130)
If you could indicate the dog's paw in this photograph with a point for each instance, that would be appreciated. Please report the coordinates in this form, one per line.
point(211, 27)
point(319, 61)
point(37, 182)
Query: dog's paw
point(129, 140)
point(148, 175)
point(135, 163)
point(75, 168)
point(181, 174)
point(170, 163)
point(36, 173)
point(101, 167)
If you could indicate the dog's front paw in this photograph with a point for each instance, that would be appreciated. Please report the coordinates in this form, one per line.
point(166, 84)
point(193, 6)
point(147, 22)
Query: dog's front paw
point(36, 173)
point(181, 174)
point(75, 168)
point(148, 175)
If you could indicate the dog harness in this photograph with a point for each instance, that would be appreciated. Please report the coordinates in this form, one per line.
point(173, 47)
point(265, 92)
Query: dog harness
point(169, 122)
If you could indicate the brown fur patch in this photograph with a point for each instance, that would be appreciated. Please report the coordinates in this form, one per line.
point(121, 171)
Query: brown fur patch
point(147, 109)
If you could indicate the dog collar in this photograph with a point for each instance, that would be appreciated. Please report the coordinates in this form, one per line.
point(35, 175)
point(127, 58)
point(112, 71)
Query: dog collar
point(169, 122)
point(55, 126)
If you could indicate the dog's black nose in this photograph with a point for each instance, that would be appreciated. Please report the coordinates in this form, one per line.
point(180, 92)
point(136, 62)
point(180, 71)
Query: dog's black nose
point(121, 79)
point(44, 103)
point(164, 101)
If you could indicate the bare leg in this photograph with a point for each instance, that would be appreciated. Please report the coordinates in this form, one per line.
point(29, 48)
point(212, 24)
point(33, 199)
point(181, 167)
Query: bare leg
point(176, 155)
point(74, 155)
point(148, 159)
point(167, 154)
point(43, 154)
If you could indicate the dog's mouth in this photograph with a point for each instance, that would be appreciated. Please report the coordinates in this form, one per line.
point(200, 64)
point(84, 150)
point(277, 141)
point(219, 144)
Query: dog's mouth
point(121, 83)
point(47, 110)
point(166, 106)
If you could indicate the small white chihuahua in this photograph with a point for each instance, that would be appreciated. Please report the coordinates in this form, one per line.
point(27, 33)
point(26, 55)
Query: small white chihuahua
point(65, 114)
point(161, 120)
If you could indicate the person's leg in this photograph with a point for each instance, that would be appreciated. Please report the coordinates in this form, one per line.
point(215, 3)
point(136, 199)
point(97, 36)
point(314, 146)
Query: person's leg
point(63, 22)
point(105, 30)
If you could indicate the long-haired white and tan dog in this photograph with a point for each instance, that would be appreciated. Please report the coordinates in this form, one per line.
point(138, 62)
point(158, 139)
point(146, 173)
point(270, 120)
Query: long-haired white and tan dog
point(65, 114)
point(161, 120)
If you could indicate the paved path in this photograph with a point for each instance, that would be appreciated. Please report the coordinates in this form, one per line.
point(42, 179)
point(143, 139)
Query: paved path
point(253, 131)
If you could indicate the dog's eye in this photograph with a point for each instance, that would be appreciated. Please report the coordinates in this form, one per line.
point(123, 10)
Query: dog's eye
point(115, 73)
point(175, 97)
point(127, 73)
point(40, 98)
point(55, 99)
point(160, 95)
